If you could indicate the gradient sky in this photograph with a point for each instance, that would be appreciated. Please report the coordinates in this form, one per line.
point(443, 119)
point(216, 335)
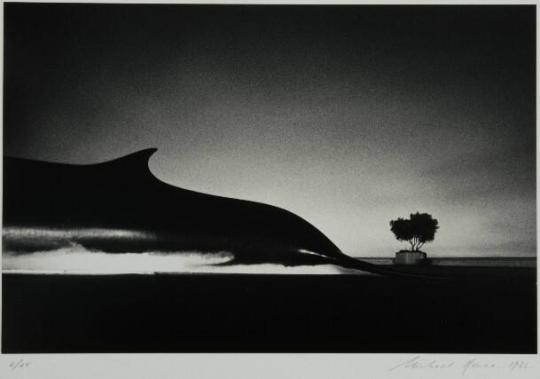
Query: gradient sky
point(349, 116)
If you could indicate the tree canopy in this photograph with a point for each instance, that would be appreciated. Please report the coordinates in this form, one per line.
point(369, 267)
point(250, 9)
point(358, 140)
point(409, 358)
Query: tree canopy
point(417, 230)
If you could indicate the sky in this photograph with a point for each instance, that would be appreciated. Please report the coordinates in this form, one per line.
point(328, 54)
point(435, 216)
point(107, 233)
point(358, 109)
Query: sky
point(349, 116)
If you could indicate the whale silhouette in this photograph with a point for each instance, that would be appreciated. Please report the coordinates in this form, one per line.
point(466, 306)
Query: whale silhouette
point(120, 206)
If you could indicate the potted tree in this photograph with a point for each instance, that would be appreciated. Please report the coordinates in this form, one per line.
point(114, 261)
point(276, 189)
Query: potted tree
point(417, 230)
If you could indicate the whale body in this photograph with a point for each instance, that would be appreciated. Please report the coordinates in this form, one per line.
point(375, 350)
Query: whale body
point(120, 206)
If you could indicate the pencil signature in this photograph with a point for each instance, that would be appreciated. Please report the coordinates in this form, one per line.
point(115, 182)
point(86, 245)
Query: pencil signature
point(464, 366)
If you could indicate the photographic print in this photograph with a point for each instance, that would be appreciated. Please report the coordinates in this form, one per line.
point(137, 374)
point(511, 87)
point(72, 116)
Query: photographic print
point(269, 179)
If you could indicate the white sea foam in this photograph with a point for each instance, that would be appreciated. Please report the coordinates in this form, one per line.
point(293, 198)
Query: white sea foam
point(75, 259)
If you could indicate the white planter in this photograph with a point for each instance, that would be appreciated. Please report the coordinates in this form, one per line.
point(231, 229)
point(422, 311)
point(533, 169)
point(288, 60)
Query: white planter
point(410, 258)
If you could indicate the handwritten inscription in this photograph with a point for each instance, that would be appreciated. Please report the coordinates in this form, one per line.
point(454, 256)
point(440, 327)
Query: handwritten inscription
point(465, 367)
point(19, 364)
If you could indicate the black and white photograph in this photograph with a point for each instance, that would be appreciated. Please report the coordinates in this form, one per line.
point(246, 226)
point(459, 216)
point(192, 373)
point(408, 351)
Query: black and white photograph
point(264, 178)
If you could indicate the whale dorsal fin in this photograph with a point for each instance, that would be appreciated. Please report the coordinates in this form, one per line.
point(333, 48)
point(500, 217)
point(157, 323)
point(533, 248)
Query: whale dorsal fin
point(132, 165)
point(132, 168)
point(138, 157)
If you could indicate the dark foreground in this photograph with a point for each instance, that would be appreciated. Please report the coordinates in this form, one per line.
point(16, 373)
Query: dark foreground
point(479, 311)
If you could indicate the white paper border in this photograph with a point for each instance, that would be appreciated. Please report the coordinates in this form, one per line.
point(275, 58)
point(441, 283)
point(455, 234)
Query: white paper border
point(270, 366)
